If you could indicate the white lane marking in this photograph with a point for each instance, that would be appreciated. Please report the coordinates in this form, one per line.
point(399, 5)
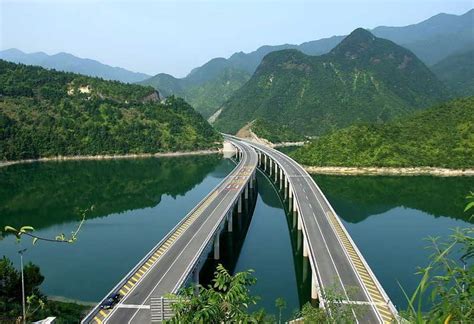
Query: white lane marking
point(133, 306)
point(343, 249)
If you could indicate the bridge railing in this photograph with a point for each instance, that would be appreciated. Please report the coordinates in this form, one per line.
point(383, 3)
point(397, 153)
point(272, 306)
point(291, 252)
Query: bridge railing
point(354, 246)
point(197, 256)
point(140, 263)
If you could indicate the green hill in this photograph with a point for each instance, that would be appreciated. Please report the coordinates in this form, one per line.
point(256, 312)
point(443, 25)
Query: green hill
point(205, 88)
point(457, 71)
point(46, 113)
point(442, 136)
point(364, 78)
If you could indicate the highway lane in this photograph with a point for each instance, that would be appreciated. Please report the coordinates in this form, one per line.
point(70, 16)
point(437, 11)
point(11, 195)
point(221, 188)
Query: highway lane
point(169, 269)
point(338, 263)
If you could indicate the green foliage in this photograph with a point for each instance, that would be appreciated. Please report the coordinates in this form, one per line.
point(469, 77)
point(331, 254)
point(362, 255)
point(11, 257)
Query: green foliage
point(206, 92)
point(280, 304)
point(38, 306)
point(44, 113)
point(364, 78)
point(442, 136)
point(451, 281)
point(275, 133)
point(61, 238)
point(225, 301)
point(336, 310)
point(457, 71)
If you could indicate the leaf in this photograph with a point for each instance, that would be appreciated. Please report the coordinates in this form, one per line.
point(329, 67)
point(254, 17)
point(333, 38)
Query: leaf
point(469, 206)
point(10, 229)
point(35, 239)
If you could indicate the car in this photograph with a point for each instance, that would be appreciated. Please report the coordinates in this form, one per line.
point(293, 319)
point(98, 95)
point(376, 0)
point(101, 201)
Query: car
point(110, 301)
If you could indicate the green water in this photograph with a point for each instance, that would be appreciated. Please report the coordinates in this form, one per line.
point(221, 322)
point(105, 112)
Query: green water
point(136, 203)
point(390, 217)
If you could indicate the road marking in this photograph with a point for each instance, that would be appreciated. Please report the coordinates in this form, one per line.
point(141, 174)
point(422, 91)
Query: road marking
point(133, 306)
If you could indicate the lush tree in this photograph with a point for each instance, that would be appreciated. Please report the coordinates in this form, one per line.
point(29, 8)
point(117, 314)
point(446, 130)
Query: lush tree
point(226, 300)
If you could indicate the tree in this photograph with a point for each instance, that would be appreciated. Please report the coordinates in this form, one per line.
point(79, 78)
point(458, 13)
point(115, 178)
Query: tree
point(450, 279)
point(226, 300)
point(280, 303)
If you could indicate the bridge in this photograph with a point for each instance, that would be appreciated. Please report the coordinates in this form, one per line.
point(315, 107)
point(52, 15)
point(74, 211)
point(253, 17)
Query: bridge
point(336, 263)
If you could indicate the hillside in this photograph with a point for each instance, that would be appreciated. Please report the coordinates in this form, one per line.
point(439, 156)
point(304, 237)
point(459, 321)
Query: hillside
point(46, 113)
point(206, 92)
point(70, 63)
point(364, 78)
point(442, 136)
point(457, 71)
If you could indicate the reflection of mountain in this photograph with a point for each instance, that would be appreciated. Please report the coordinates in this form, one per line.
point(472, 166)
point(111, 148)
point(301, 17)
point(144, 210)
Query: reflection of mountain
point(43, 194)
point(356, 198)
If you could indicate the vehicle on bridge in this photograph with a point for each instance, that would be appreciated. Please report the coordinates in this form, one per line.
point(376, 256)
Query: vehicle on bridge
point(111, 301)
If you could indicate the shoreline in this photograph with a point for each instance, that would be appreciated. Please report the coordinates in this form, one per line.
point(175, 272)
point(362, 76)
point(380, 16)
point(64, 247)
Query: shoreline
point(110, 157)
point(374, 171)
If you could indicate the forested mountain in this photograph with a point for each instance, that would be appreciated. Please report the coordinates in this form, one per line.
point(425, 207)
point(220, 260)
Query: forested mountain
point(70, 63)
point(364, 78)
point(442, 136)
point(457, 71)
point(46, 113)
point(431, 41)
point(206, 92)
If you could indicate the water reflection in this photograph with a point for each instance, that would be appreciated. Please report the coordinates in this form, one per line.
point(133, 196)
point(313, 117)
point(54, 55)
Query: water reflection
point(356, 198)
point(45, 194)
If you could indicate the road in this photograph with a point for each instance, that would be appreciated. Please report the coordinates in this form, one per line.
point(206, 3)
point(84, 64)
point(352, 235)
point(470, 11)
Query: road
point(172, 261)
point(335, 258)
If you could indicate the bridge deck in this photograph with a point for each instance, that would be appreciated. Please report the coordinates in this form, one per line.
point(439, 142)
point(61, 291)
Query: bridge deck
point(338, 264)
point(172, 261)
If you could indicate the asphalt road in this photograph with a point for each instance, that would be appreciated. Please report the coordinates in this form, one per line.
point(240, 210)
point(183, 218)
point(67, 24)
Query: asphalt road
point(175, 263)
point(339, 267)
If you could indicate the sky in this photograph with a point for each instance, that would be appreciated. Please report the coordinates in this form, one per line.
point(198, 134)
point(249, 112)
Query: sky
point(174, 36)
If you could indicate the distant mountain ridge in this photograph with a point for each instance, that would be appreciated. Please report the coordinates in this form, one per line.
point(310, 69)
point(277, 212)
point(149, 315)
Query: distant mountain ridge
point(457, 71)
point(431, 40)
point(69, 63)
point(364, 78)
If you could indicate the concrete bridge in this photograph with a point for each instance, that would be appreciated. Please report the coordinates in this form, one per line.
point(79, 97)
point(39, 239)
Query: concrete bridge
point(336, 263)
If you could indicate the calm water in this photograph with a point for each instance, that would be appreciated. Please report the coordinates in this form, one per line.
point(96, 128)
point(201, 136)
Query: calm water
point(389, 217)
point(138, 201)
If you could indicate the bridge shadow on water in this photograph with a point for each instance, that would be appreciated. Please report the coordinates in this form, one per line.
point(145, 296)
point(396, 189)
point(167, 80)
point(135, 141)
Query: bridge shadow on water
point(231, 242)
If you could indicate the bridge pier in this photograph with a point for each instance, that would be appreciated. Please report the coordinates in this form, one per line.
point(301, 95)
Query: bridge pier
point(305, 246)
point(281, 178)
point(276, 172)
point(239, 205)
point(246, 191)
point(229, 220)
point(271, 166)
point(216, 247)
point(314, 286)
point(196, 281)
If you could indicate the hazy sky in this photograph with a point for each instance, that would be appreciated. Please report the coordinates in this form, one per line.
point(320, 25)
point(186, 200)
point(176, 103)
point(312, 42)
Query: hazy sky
point(175, 36)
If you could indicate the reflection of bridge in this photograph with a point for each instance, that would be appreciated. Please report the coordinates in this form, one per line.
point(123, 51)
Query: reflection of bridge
point(335, 262)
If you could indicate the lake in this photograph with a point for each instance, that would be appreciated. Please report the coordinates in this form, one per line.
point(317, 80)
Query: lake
point(136, 202)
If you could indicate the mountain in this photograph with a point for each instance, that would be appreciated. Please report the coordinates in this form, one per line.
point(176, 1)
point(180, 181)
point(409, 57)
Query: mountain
point(205, 89)
point(364, 78)
point(46, 113)
point(70, 63)
point(435, 38)
point(431, 40)
point(442, 136)
point(457, 71)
